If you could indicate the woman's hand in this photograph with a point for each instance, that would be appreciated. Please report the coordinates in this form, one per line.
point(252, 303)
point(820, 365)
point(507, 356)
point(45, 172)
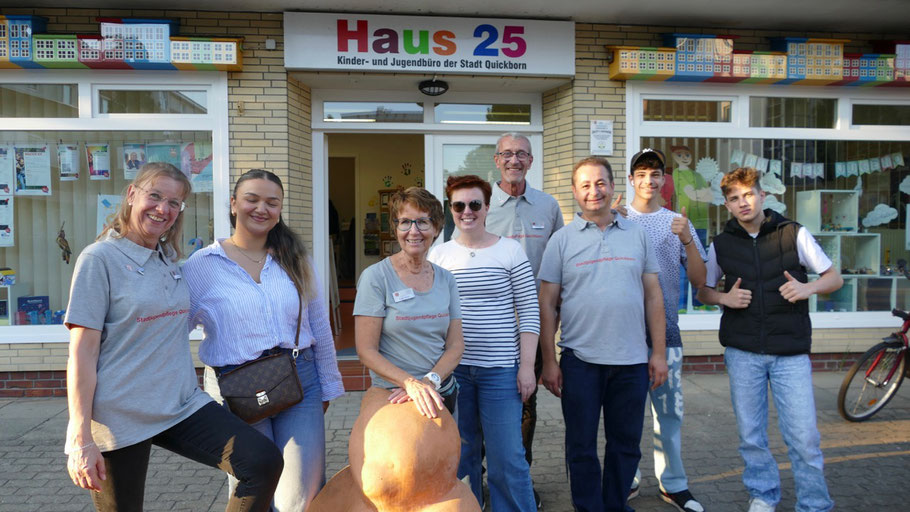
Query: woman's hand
point(527, 382)
point(86, 467)
point(425, 397)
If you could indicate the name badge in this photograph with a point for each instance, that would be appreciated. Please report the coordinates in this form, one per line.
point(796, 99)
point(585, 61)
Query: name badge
point(400, 295)
point(535, 225)
point(176, 275)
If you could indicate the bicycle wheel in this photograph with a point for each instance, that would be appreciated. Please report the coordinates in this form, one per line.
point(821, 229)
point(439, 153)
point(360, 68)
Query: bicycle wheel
point(866, 388)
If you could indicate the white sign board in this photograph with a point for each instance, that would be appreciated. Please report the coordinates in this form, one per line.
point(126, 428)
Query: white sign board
point(420, 44)
point(601, 138)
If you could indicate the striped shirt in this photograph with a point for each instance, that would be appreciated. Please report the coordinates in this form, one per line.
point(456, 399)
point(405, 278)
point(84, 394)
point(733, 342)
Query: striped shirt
point(242, 318)
point(494, 283)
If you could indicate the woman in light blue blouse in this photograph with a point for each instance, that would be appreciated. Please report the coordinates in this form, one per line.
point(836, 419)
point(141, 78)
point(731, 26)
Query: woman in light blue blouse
point(246, 292)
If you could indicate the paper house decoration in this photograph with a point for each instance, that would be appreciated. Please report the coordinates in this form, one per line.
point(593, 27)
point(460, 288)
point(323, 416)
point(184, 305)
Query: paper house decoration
point(642, 63)
point(867, 69)
point(92, 53)
point(140, 43)
point(206, 53)
point(759, 67)
point(57, 51)
point(901, 52)
point(16, 48)
point(812, 61)
point(701, 57)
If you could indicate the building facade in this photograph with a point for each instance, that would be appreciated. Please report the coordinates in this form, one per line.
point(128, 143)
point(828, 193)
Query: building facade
point(342, 131)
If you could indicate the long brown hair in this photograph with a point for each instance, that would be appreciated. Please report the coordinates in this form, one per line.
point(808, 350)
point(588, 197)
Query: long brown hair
point(148, 173)
point(287, 248)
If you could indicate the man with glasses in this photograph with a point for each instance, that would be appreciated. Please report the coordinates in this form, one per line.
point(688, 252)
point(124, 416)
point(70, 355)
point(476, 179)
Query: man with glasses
point(529, 216)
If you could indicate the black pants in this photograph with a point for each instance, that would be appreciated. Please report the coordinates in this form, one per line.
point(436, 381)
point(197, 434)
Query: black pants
point(212, 436)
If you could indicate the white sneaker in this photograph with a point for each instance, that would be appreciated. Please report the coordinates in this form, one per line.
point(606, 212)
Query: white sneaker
point(760, 505)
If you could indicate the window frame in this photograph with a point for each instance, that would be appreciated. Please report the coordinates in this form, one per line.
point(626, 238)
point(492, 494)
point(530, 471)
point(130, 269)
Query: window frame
point(739, 129)
point(215, 121)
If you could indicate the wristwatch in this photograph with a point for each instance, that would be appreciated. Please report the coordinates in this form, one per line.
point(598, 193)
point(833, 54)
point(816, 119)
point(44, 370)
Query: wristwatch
point(435, 379)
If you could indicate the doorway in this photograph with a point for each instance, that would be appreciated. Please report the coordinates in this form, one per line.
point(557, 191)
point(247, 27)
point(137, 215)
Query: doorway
point(362, 169)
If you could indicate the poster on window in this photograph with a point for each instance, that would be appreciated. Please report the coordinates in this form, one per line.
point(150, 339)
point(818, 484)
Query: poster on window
point(7, 231)
point(33, 170)
point(99, 161)
point(196, 163)
point(108, 204)
point(68, 156)
point(7, 173)
point(168, 153)
point(133, 159)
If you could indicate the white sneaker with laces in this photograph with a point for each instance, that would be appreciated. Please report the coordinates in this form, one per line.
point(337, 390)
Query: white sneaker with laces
point(760, 505)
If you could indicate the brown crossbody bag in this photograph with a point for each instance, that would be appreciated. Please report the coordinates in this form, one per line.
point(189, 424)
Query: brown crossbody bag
point(264, 386)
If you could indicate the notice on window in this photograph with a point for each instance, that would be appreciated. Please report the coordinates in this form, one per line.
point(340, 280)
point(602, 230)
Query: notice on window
point(108, 204)
point(168, 153)
point(196, 163)
point(7, 230)
point(7, 174)
point(98, 157)
point(602, 138)
point(133, 158)
point(68, 156)
point(33, 170)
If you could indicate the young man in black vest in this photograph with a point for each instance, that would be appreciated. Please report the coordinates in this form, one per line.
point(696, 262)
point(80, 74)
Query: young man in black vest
point(765, 260)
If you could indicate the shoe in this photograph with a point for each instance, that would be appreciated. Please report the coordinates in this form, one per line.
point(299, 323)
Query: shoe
point(633, 492)
point(537, 499)
point(682, 500)
point(760, 505)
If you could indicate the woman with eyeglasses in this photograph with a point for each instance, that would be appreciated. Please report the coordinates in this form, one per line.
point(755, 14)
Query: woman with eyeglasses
point(250, 292)
point(130, 376)
point(407, 319)
point(501, 324)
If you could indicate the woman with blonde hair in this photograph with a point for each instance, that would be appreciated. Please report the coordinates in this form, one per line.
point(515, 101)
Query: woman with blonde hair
point(250, 292)
point(130, 376)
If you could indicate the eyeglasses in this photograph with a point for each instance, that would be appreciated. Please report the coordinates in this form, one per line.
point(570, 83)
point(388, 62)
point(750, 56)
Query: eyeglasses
point(521, 154)
point(157, 198)
point(423, 224)
point(459, 206)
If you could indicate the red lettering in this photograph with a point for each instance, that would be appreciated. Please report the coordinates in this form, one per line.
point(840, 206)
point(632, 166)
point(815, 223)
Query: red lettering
point(359, 34)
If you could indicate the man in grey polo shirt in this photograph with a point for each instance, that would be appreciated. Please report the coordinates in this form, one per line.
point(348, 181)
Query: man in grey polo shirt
point(531, 217)
point(602, 268)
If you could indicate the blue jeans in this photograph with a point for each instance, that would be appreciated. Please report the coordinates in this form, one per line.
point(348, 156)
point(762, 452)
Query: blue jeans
point(667, 411)
point(489, 413)
point(299, 432)
point(618, 390)
point(790, 378)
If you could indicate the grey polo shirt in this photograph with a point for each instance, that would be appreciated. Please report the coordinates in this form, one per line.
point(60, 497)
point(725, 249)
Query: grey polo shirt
point(139, 301)
point(599, 273)
point(530, 218)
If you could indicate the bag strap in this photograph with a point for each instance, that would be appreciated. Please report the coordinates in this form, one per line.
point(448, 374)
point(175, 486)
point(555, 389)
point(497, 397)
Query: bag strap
point(299, 314)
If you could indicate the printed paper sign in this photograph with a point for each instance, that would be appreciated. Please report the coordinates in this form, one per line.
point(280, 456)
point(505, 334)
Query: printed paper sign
point(602, 138)
point(68, 157)
point(98, 157)
point(33, 171)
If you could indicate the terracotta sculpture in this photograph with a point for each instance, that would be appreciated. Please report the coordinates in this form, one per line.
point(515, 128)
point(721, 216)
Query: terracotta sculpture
point(400, 462)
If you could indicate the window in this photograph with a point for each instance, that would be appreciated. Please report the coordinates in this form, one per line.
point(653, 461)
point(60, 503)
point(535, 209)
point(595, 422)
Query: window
point(689, 111)
point(483, 113)
point(116, 101)
point(38, 100)
point(850, 188)
point(774, 112)
point(372, 112)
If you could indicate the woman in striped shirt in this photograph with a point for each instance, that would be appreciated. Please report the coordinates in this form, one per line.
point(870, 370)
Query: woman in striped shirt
point(496, 373)
point(246, 291)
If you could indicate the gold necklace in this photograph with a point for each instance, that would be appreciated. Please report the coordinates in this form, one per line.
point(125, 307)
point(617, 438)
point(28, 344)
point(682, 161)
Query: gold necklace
point(258, 262)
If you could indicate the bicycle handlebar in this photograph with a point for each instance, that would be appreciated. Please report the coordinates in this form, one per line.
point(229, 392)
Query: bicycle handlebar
point(903, 315)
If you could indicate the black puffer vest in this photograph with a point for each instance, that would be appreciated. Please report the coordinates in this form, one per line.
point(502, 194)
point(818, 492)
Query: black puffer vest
point(770, 324)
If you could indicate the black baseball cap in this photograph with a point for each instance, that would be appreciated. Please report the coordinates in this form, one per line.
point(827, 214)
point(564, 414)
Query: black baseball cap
point(648, 152)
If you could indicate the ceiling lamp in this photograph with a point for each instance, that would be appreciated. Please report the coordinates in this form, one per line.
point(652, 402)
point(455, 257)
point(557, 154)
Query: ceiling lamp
point(433, 87)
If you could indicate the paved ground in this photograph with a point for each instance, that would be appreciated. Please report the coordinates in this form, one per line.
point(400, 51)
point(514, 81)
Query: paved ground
point(868, 464)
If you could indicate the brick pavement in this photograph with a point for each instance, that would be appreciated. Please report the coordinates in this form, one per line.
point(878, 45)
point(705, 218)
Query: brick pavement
point(867, 464)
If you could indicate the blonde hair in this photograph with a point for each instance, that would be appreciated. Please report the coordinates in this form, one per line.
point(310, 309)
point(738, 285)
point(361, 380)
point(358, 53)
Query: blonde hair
point(148, 173)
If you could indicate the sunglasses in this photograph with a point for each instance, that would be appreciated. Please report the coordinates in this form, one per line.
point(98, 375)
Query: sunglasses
point(475, 205)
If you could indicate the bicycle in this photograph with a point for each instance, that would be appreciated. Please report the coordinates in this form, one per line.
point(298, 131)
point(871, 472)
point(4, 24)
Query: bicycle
point(875, 377)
